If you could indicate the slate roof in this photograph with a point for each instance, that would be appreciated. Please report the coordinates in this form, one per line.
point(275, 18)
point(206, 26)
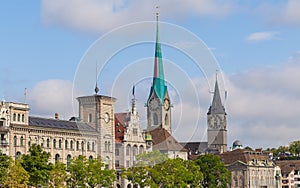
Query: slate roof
point(243, 156)
point(287, 166)
point(216, 105)
point(163, 140)
point(120, 126)
point(60, 124)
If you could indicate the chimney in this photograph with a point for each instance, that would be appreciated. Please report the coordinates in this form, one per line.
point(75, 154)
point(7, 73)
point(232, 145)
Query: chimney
point(56, 115)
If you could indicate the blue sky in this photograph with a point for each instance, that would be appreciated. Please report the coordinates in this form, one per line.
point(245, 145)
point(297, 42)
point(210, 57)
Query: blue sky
point(256, 44)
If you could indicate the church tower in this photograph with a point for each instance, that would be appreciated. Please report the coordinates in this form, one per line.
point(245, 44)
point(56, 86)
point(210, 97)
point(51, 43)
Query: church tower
point(216, 121)
point(158, 103)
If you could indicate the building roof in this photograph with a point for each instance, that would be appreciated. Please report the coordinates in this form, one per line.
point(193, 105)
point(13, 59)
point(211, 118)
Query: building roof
point(243, 156)
point(158, 85)
point(216, 105)
point(164, 141)
point(60, 124)
point(120, 126)
point(287, 166)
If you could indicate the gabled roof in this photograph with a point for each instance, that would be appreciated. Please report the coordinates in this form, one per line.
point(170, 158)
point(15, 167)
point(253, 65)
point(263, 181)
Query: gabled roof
point(164, 141)
point(120, 126)
point(60, 124)
point(216, 105)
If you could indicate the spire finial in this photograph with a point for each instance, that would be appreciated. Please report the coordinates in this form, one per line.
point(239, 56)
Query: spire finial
point(96, 87)
point(157, 12)
point(133, 109)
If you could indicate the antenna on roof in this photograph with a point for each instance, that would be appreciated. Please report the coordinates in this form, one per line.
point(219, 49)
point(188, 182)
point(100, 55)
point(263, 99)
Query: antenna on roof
point(96, 87)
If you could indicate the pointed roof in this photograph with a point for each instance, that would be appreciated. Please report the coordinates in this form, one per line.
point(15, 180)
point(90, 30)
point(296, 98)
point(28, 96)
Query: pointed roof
point(158, 85)
point(216, 105)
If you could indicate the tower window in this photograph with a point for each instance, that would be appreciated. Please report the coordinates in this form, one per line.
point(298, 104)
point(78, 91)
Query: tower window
point(90, 118)
point(155, 119)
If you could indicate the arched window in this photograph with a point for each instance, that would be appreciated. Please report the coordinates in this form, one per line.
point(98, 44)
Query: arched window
point(141, 149)
point(68, 160)
point(59, 143)
point(128, 150)
point(23, 118)
point(71, 144)
point(90, 118)
point(48, 143)
point(93, 146)
point(90, 157)
point(57, 158)
point(77, 145)
point(21, 141)
point(82, 145)
point(29, 142)
point(54, 143)
point(19, 117)
point(135, 150)
point(106, 162)
point(14, 117)
point(166, 120)
point(105, 146)
point(129, 186)
point(88, 146)
point(15, 141)
point(42, 142)
point(155, 119)
point(66, 144)
point(18, 155)
point(108, 145)
point(35, 140)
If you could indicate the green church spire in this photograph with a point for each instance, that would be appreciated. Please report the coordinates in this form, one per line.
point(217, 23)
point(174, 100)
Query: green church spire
point(158, 85)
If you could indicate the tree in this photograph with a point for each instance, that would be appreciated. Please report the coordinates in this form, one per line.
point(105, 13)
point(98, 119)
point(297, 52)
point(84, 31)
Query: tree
point(5, 162)
point(58, 175)
point(294, 147)
point(17, 176)
point(77, 171)
point(214, 171)
point(37, 165)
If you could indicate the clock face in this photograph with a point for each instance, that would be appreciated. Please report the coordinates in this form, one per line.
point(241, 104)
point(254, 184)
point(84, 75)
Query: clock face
point(106, 117)
point(154, 104)
point(214, 122)
point(167, 104)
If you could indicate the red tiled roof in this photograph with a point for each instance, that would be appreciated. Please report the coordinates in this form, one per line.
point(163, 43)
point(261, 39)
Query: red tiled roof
point(120, 126)
point(163, 140)
point(243, 156)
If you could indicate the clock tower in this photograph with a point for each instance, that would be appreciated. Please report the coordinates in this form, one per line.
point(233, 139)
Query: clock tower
point(216, 122)
point(158, 103)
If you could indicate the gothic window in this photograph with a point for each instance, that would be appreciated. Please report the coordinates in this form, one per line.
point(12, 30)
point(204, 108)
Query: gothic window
point(59, 143)
point(23, 118)
point(14, 117)
point(48, 143)
point(21, 141)
point(155, 119)
point(66, 144)
point(54, 143)
point(71, 144)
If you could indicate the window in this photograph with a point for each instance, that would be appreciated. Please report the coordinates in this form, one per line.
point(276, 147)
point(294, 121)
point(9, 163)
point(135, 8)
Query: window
point(155, 119)
point(134, 131)
point(128, 150)
point(57, 158)
point(29, 142)
point(141, 148)
point(90, 157)
point(117, 151)
point(77, 145)
point(48, 143)
point(108, 145)
point(105, 146)
point(106, 162)
point(15, 141)
point(18, 154)
point(54, 143)
point(23, 118)
point(59, 143)
point(88, 146)
point(19, 117)
point(90, 118)
point(66, 144)
point(93, 146)
point(42, 142)
point(68, 160)
point(166, 119)
point(127, 163)
point(135, 150)
point(71, 144)
point(82, 145)
point(14, 117)
point(117, 163)
point(21, 141)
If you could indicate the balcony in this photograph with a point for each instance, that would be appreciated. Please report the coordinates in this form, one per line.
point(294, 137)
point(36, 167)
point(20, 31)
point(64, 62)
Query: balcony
point(4, 129)
point(3, 143)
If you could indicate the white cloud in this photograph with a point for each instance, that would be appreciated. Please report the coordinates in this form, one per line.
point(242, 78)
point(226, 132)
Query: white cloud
point(262, 36)
point(95, 16)
point(51, 96)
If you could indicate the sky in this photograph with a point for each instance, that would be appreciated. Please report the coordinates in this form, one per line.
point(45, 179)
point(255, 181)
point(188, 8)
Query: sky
point(45, 47)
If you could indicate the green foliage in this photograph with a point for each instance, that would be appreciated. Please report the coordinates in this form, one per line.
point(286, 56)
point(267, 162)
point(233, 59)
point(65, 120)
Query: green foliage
point(214, 171)
point(89, 173)
point(151, 158)
point(37, 165)
point(58, 175)
point(248, 148)
point(5, 162)
point(294, 147)
point(17, 176)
